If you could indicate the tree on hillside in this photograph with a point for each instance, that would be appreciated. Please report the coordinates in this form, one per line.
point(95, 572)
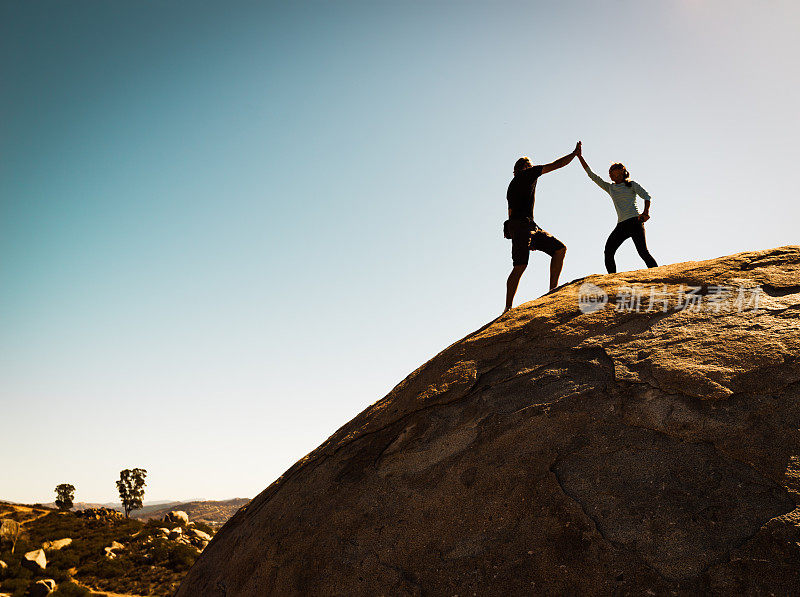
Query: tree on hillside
point(65, 493)
point(131, 489)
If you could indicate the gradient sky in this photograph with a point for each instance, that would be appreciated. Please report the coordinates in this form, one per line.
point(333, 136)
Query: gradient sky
point(228, 227)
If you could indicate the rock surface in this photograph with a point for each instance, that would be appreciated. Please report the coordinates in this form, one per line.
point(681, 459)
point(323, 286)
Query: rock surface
point(556, 451)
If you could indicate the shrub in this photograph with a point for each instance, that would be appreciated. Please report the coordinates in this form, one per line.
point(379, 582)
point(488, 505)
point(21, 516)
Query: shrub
point(159, 551)
point(15, 568)
point(105, 568)
point(182, 557)
point(16, 586)
point(70, 589)
point(156, 524)
point(10, 558)
point(201, 526)
point(63, 559)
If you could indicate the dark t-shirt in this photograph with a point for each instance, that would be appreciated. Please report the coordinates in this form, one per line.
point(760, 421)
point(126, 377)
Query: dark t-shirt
point(520, 193)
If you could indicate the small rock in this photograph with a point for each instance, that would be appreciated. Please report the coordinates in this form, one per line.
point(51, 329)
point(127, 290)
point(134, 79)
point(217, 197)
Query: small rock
point(200, 534)
point(43, 587)
point(175, 533)
point(99, 513)
point(3, 569)
point(109, 551)
point(35, 560)
point(57, 544)
point(164, 531)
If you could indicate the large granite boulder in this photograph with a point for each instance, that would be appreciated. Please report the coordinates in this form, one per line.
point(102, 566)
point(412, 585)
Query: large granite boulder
point(178, 516)
point(603, 439)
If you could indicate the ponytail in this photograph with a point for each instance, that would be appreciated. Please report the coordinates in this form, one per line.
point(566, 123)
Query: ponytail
point(619, 166)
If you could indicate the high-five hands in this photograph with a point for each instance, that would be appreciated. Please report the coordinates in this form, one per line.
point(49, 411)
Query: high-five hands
point(577, 148)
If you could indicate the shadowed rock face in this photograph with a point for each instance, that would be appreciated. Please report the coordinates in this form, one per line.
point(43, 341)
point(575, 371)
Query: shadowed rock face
point(555, 451)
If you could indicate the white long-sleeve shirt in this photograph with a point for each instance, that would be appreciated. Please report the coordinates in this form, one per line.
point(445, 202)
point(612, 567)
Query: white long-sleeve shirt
point(624, 196)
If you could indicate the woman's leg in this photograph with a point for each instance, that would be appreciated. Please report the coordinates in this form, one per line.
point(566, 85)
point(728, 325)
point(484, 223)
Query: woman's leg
point(641, 245)
point(615, 239)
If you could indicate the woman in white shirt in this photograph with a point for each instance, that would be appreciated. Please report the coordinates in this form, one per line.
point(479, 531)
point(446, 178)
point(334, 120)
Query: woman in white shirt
point(630, 223)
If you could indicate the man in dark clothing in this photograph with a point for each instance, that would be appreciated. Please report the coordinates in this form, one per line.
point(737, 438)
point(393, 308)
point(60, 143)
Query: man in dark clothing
point(525, 235)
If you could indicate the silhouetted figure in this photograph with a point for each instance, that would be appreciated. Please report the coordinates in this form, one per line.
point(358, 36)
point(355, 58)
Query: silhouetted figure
point(525, 235)
point(630, 223)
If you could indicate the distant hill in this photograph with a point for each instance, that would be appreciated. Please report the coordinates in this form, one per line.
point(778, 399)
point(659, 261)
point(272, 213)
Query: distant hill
point(213, 513)
point(85, 505)
point(148, 506)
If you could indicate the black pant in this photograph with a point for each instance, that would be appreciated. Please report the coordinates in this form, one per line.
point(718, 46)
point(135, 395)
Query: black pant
point(630, 228)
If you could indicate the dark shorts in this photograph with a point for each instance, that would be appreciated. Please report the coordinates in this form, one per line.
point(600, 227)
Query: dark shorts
point(527, 237)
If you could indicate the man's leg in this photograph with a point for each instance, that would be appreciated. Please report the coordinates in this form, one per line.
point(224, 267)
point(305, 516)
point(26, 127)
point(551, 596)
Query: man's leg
point(512, 283)
point(549, 244)
point(556, 263)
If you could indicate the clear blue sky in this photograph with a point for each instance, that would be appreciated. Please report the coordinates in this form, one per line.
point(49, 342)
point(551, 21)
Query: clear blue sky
point(228, 227)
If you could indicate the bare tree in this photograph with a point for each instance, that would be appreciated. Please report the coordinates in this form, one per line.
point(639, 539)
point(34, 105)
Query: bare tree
point(10, 531)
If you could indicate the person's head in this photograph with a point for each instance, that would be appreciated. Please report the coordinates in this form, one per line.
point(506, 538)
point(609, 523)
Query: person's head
point(619, 173)
point(523, 163)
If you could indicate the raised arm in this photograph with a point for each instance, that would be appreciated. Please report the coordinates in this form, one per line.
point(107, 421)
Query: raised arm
point(561, 162)
point(599, 181)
